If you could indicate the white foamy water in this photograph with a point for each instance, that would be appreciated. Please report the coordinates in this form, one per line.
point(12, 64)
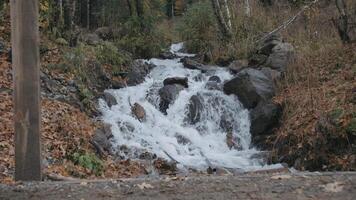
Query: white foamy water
point(191, 145)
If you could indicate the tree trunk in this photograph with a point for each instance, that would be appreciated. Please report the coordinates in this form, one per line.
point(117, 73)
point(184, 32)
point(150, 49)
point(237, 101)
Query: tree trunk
point(342, 23)
point(139, 8)
point(27, 117)
point(223, 25)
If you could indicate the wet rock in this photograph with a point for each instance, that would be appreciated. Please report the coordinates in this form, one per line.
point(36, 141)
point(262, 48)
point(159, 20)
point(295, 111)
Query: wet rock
point(264, 118)
point(281, 56)
point(198, 77)
point(251, 86)
point(139, 112)
point(238, 65)
point(176, 80)
point(101, 140)
point(90, 38)
point(192, 64)
point(139, 69)
point(182, 140)
point(168, 95)
point(224, 61)
point(225, 123)
point(271, 73)
point(215, 79)
point(109, 99)
point(147, 156)
point(229, 140)
point(167, 55)
point(195, 108)
point(213, 86)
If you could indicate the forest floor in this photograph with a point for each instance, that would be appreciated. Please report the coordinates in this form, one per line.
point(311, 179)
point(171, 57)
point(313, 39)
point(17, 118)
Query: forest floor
point(249, 186)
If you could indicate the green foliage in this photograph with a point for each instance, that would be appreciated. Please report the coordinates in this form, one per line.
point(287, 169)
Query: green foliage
point(351, 127)
point(141, 37)
point(198, 27)
point(108, 53)
point(336, 114)
point(85, 95)
point(89, 161)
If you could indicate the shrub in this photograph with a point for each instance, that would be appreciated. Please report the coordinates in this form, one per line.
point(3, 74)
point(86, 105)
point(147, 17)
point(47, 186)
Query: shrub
point(89, 161)
point(108, 54)
point(141, 37)
point(198, 27)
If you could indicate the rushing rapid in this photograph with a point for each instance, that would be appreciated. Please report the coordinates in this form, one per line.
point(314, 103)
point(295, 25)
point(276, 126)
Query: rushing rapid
point(171, 135)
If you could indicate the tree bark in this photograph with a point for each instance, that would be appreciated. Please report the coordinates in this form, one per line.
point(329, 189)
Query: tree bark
point(223, 25)
point(25, 52)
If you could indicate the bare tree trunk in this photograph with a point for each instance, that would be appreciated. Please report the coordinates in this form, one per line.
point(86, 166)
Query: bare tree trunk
point(247, 8)
point(139, 8)
point(129, 7)
point(88, 14)
point(342, 23)
point(27, 117)
point(224, 27)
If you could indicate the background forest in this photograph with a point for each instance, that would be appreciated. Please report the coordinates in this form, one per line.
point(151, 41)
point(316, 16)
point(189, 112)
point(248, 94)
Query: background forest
point(83, 41)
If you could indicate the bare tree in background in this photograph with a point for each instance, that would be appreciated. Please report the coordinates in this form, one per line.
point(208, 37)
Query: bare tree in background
point(346, 22)
point(223, 16)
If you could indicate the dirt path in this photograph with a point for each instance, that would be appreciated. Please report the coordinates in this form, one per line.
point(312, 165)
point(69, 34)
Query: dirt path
point(249, 186)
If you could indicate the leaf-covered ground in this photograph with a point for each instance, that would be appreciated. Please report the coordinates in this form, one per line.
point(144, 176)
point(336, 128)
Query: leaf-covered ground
point(318, 129)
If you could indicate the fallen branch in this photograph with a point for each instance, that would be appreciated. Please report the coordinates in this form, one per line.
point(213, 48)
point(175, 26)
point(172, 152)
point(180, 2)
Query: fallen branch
point(57, 177)
point(288, 22)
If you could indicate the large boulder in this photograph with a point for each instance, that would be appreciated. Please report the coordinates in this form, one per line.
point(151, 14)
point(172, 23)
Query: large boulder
point(251, 86)
point(176, 80)
point(168, 95)
point(139, 112)
point(238, 65)
point(281, 57)
point(264, 118)
point(109, 99)
point(268, 44)
point(139, 69)
point(101, 140)
point(271, 73)
point(195, 108)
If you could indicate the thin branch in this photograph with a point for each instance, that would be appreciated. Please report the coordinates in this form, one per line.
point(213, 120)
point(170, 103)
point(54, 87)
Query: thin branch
point(288, 22)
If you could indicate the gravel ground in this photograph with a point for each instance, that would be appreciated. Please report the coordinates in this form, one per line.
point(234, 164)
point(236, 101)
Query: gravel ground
point(248, 186)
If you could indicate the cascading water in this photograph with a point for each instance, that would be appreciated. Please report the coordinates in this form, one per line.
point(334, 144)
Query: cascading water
point(172, 135)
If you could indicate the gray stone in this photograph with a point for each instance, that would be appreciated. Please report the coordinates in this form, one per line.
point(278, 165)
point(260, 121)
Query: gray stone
point(167, 55)
point(251, 86)
point(215, 79)
point(264, 118)
point(168, 95)
point(281, 56)
point(101, 139)
point(176, 80)
point(109, 99)
point(139, 112)
point(271, 73)
point(238, 65)
point(195, 108)
point(139, 69)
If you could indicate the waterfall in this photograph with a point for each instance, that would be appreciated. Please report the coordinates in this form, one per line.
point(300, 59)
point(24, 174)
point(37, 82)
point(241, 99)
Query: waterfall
point(172, 135)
